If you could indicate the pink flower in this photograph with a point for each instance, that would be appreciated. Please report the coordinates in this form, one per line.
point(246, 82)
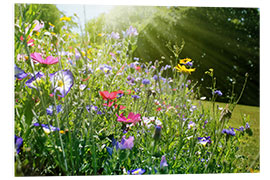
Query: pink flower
point(132, 118)
point(38, 25)
point(49, 60)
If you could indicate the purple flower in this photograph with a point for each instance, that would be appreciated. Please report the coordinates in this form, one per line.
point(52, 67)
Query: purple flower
point(167, 67)
point(105, 68)
point(77, 54)
point(47, 128)
point(19, 73)
point(129, 78)
point(191, 124)
point(240, 129)
point(157, 134)
point(50, 109)
point(247, 126)
point(18, 144)
point(155, 77)
point(91, 107)
point(204, 140)
point(135, 96)
point(189, 63)
point(126, 143)
point(229, 131)
point(146, 81)
point(138, 171)
point(163, 162)
point(62, 81)
point(131, 31)
point(218, 92)
point(31, 83)
point(99, 112)
point(136, 59)
point(115, 35)
point(193, 108)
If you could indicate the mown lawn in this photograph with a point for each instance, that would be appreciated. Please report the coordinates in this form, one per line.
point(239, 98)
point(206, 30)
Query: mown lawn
point(250, 147)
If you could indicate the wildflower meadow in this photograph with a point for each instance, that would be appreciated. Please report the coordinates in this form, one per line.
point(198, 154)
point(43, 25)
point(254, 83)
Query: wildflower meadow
point(85, 105)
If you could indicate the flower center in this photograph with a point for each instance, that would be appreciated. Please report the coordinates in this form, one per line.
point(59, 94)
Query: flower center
point(60, 83)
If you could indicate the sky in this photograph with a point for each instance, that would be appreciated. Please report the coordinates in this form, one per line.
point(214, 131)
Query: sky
point(91, 11)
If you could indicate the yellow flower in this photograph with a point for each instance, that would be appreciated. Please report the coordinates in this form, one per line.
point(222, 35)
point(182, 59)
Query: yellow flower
point(100, 35)
point(51, 24)
point(185, 61)
point(65, 18)
point(183, 69)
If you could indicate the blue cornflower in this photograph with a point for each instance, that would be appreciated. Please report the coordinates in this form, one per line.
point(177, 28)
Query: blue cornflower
point(146, 81)
point(218, 92)
point(138, 171)
point(229, 131)
point(18, 144)
point(135, 96)
point(155, 77)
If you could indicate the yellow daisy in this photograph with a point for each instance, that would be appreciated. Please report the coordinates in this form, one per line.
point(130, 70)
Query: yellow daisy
point(65, 18)
point(185, 61)
point(183, 69)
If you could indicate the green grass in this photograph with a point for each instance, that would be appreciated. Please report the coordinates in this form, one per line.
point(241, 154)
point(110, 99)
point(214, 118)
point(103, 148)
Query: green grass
point(250, 147)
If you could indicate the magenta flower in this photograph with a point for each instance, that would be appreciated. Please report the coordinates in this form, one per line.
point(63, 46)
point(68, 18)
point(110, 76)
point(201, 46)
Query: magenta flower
point(132, 118)
point(49, 60)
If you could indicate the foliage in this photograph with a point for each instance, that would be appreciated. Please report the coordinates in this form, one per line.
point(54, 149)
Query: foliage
point(226, 39)
point(97, 110)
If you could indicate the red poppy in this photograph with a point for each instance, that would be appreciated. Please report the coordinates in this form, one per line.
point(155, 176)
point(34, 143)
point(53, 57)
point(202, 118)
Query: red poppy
point(106, 95)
